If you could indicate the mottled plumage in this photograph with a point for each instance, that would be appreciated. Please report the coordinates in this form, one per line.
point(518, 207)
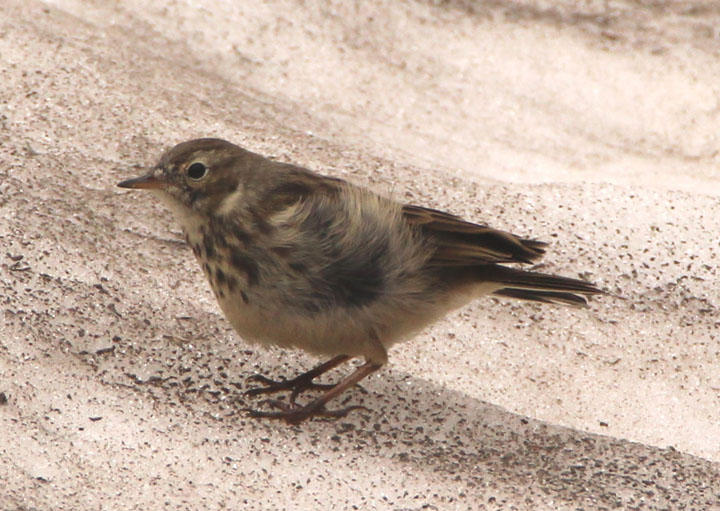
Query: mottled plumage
point(301, 260)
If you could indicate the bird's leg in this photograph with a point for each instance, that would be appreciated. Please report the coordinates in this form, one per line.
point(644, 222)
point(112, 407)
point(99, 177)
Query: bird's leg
point(298, 384)
point(293, 414)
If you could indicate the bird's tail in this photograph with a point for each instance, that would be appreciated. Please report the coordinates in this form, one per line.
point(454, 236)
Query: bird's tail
point(538, 287)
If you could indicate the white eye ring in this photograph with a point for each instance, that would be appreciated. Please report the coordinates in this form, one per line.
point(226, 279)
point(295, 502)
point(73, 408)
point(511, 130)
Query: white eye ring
point(196, 171)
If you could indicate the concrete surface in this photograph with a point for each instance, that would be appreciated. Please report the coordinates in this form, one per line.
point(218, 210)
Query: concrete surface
point(593, 125)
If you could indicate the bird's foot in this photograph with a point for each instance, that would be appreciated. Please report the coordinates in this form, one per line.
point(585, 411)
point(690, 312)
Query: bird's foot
point(297, 385)
point(294, 414)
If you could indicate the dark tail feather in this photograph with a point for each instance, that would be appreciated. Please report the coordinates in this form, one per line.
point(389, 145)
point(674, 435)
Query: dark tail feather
point(544, 296)
point(539, 287)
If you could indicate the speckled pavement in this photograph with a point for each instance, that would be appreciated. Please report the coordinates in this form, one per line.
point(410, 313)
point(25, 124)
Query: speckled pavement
point(594, 128)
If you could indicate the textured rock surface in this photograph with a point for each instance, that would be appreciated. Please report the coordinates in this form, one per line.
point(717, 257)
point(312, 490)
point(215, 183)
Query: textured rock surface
point(593, 127)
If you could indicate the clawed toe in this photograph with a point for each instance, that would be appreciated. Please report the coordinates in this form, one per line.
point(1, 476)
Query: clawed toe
point(265, 380)
point(293, 414)
point(297, 386)
point(270, 386)
point(290, 411)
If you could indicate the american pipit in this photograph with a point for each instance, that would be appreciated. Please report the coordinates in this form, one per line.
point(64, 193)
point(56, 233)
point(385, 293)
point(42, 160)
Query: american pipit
point(301, 260)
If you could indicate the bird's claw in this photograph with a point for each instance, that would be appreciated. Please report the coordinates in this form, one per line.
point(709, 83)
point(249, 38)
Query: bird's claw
point(297, 385)
point(293, 414)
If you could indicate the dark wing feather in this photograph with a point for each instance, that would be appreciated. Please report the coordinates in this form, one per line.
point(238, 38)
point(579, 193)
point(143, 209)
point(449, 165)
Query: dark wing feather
point(461, 243)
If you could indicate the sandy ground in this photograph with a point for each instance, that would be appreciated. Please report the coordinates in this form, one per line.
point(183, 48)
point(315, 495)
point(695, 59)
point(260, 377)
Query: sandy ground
point(593, 125)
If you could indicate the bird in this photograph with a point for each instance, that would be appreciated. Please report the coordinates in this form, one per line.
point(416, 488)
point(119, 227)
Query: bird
point(305, 261)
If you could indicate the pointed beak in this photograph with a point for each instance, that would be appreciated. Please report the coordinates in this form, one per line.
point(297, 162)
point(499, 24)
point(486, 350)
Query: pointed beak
point(150, 181)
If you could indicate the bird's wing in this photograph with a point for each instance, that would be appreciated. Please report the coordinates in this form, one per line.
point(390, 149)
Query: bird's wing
point(461, 243)
point(458, 243)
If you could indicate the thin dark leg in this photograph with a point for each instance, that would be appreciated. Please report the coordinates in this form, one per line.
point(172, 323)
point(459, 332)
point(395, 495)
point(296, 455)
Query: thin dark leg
point(298, 384)
point(294, 414)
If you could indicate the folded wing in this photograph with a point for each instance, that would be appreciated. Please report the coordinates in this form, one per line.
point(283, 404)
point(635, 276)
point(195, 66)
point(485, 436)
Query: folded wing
point(463, 243)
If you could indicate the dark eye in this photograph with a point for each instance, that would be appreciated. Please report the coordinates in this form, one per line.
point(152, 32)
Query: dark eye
point(197, 170)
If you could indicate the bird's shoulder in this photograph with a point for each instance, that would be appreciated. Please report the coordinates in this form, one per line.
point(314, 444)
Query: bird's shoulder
point(291, 184)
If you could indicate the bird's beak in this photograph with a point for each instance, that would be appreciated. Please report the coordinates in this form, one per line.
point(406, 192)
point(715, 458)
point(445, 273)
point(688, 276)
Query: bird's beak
point(151, 181)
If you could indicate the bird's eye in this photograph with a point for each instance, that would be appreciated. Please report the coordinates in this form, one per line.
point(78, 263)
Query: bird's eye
point(197, 171)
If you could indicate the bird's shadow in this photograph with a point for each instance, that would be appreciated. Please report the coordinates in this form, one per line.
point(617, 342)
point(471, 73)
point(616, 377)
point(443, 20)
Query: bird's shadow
point(450, 435)
point(454, 436)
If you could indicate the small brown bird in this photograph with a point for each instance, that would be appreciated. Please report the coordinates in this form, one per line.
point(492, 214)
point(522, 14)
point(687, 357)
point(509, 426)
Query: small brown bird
point(300, 260)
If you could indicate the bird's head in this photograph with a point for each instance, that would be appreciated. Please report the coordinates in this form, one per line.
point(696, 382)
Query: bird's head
point(200, 176)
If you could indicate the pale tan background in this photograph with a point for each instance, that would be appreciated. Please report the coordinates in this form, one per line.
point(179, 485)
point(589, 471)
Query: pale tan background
point(593, 125)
